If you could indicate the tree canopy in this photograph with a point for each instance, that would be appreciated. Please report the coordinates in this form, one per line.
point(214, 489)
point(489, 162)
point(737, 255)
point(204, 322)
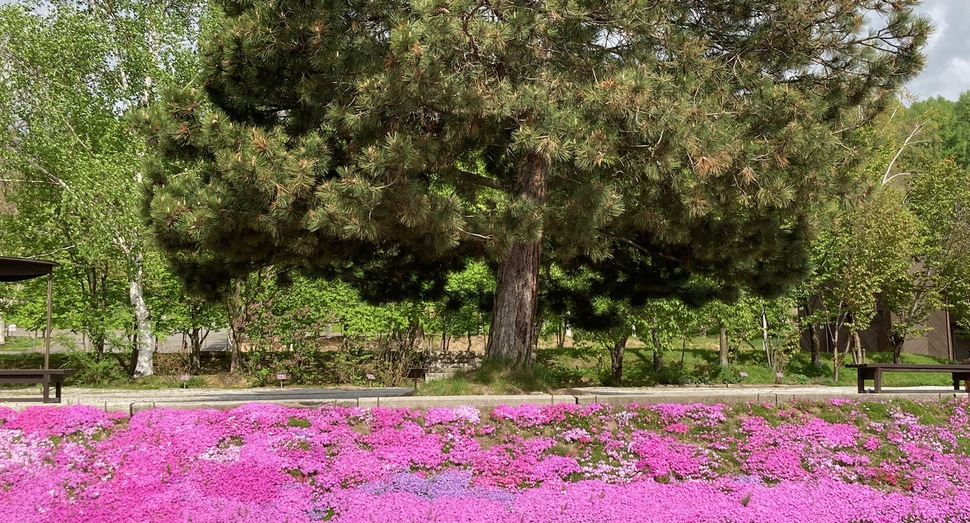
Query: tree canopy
point(641, 143)
point(69, 72)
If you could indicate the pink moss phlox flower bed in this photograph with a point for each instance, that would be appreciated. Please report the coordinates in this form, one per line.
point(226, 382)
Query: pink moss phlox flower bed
point(840, 461)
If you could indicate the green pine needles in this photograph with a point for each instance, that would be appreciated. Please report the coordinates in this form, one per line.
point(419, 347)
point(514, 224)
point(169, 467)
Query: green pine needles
point(642, 143)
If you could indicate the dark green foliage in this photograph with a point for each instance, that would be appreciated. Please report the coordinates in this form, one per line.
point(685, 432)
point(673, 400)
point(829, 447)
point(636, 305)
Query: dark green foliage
point(643, 143)
point(947, 130)
point(94, 370)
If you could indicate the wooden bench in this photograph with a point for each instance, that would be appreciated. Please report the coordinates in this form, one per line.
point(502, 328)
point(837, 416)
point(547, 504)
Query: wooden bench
point(874, 372)
point(45, 377)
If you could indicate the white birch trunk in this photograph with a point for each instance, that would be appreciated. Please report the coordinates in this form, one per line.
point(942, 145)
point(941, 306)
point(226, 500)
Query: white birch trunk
point(144, 339)
point(723, 347)
point(765, 340)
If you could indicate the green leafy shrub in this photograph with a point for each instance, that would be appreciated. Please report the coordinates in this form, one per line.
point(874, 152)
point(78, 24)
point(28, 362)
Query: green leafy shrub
point(92, 370)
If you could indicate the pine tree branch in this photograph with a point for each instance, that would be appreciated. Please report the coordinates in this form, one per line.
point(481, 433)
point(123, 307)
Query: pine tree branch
point(641, 248)
point(464, 28)
point(476, 235)
point(473, 178)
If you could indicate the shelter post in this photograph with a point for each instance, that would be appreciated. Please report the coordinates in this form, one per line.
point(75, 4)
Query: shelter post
point(47, 331)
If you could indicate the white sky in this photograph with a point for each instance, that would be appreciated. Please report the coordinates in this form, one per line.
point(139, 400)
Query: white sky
point(947, 70)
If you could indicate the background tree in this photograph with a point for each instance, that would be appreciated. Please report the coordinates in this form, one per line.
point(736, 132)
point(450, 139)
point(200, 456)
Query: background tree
point(70, 72)
point(187, 316)
point(645, 141)
point(58, 198)
point(737, 322)
point(930, 133)
point(467, 300)
point(946, 128)
point(866, 247)
point(923, 148)
point(938, 197)
point(610, 324)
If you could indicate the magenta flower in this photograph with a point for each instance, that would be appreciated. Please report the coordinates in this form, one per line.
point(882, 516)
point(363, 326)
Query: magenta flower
point(562, 463)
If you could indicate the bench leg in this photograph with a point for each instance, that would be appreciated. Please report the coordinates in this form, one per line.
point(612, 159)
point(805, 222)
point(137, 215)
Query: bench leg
point(46, 384)
point(57, 392)
point(861, 381)
point(961, 377)
point(877, 381)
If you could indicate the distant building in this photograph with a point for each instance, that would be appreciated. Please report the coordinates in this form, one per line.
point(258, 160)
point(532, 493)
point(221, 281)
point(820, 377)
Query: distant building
point(940, 339)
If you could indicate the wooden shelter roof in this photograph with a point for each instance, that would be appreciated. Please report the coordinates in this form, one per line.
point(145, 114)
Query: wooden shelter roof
point(17, 269)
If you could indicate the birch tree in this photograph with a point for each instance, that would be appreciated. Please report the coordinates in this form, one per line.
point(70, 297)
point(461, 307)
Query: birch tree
point(71, 72)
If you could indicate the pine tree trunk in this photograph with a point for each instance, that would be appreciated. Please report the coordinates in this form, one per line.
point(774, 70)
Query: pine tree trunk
point(722, 344)
point(145, 341)
point(235, 354)
point(3, 331)
point(513, 332)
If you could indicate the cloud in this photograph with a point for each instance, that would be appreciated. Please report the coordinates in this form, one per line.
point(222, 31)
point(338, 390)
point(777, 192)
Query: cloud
point(947, 70)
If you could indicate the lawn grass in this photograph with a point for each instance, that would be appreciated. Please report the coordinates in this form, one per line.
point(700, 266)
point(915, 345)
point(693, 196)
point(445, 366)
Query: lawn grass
point(21, 343)
point(696, 363)
point(31, 360)
point(492, 379)
point(553, 370)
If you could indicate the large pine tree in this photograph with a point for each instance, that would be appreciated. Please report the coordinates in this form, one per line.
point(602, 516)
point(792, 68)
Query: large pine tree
point(640, 141)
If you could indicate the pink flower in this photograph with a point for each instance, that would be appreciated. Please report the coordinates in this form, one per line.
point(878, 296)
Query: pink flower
point(679, 428)
point(549, 463)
